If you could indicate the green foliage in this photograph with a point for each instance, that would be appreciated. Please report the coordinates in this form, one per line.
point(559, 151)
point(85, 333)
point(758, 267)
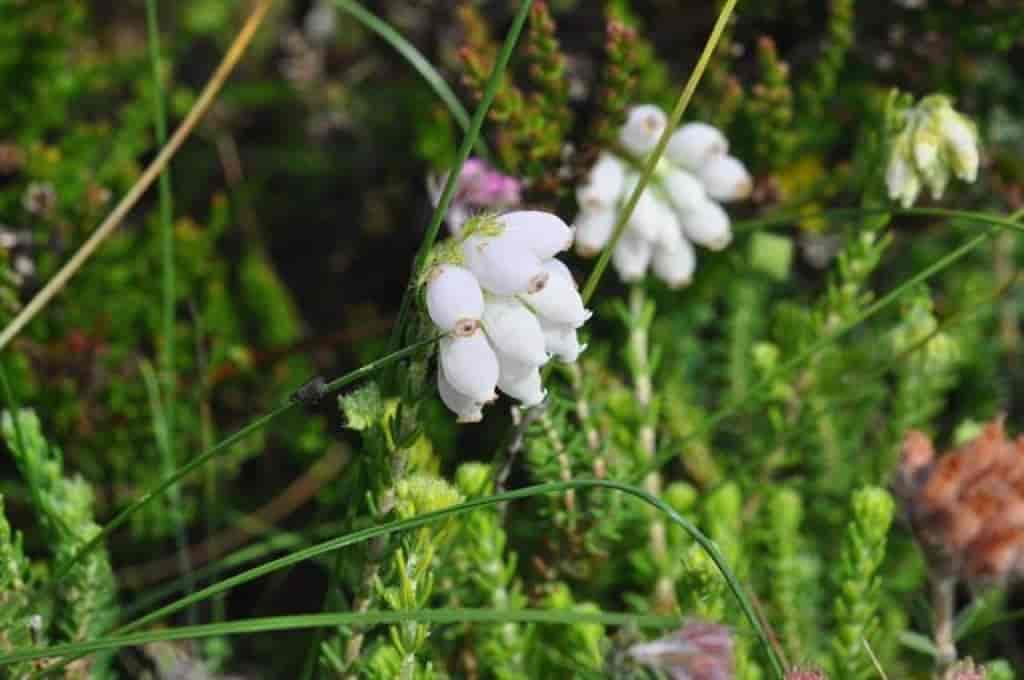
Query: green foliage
point(857, 584)
point(766, 402)
point(84, 603)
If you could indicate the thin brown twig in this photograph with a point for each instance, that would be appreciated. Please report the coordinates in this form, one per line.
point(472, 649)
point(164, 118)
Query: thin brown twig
point(199, 109)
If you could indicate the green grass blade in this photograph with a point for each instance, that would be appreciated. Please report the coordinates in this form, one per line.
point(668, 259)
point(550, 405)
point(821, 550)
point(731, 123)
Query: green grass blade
point(417, 61)
point(306, 621)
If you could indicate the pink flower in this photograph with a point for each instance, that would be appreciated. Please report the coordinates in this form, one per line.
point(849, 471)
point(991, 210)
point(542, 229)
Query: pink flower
point(698, 651)
point(480, 187)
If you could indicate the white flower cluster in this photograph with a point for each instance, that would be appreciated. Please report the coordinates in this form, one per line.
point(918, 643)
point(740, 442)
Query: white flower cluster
point(679, 207)
point(934, 143)
point(507, 305)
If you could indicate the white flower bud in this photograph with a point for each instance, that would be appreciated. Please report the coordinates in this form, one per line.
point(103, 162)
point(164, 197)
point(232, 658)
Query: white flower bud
point(559, 300)
point(962, 140)
point(675, 267)
point(684, 190)
point(561, 341)
point(502, 265)
point(470, 365)
point(901, 179)
point(604, 184)
point(542, 233)
point(708, 226)
point(467, 410)
point(525, 386)
point(644, 125)
point(726, 179)
point(694, 144)
point(514, 331)
point(631, 257)
point(593, 231)
point(454, 298)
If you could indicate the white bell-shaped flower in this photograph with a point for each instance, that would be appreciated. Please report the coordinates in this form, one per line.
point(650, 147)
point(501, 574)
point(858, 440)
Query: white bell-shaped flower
point(561, 341)
point(593, 231)
point(514, 330)
point(454, 299)
point(467, 410)
point(901, 179)
point(684, 190)
point(708, 225)
point(559, 300)
point(644, 125)
point(502, 265)
point(694, 144)
point(632, 256)
point(726, 179)
point(604, 184)
point(470, 365)
point(542, 233)
point(527, 387)
point(675, 267)
point(962, 140)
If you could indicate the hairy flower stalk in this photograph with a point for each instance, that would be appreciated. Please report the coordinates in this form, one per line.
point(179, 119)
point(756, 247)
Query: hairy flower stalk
point(679, 209)
point(932, 143)
point(507, 306)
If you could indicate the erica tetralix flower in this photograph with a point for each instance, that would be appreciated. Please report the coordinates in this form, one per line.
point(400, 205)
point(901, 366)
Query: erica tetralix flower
point(932, 142)
point(506, 305)
point(678, 208)
point(967, 506)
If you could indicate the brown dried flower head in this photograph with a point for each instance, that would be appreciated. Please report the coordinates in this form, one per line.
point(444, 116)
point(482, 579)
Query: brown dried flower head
point(967, 507)
point(805, 674)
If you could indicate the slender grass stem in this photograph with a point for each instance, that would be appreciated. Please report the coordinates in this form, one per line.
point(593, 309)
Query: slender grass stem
point(145, 181)
point(165, 424)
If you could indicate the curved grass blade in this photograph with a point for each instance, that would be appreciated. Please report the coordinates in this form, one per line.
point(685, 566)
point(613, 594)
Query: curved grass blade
point(417, 61)
point(402, 525)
